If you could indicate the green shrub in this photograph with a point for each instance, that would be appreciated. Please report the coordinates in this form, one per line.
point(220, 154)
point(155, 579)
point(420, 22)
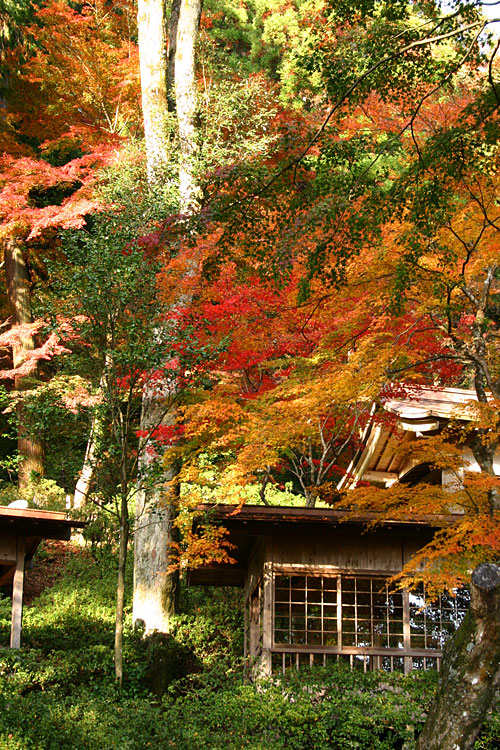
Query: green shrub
point(489, 738)
point(59, 690)
point(211, 624)
point(317, 709)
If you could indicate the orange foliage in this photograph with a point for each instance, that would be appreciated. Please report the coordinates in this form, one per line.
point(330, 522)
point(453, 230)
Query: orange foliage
point(71, 101)
point(204, 544)
point(292, 366)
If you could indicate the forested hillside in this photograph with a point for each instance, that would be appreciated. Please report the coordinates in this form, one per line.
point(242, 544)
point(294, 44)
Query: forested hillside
point(231, 232)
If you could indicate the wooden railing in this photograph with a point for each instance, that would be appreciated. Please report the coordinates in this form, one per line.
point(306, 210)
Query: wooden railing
point(283, 658)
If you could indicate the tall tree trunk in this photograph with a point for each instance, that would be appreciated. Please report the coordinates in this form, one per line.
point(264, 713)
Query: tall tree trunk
point(173, 23)
point(470, 675)
point(152, 29)
point(17, 281)
point(186, 103)
point(155, 588)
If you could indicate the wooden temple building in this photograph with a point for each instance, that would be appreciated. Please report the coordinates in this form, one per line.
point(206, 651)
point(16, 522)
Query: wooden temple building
point(315, 580)
point(315, 584)
point(21, 531)
point(425, 411)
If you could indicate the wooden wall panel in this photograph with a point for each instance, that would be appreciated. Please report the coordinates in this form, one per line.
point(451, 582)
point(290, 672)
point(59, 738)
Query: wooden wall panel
point(411, 547)
point(8, 547)
point(366, 552)
point(256, 562)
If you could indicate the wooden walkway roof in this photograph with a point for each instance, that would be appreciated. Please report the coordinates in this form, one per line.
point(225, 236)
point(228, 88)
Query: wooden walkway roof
point(21, 531)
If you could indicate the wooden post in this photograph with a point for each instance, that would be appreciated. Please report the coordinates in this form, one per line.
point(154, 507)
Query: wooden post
point(17, 595)
point(268, 620)
point(408, 661)
point(246, 623)
point(255, 624)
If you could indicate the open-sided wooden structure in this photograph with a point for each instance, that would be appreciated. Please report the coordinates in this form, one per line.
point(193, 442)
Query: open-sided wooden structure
point(21, 531)
point(316, 589)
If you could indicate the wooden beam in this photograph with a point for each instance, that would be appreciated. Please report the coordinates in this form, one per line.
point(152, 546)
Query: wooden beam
point(418, 425)
point(8, 548)
point(17, 595)
point(380, 476)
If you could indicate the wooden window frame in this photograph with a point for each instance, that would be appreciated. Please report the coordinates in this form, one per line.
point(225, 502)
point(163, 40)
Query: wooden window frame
point(372, 657)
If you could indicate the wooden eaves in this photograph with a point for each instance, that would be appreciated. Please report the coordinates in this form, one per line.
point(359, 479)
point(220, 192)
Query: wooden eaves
point(421, 410)
point(21, 531)
point(246, 524)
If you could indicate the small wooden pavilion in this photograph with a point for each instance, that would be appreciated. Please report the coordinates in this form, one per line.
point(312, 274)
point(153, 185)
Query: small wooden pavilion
point(316, 589)
point(315, 580)
point(21, 531)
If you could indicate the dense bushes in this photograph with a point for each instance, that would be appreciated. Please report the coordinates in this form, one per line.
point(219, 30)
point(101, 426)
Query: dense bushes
point(59, 690)
point(314, 709)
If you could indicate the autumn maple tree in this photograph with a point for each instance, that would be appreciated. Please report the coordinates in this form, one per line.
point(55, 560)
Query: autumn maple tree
point(382, 234)
point(314, 229)
point(70, 104)
point(54, 141)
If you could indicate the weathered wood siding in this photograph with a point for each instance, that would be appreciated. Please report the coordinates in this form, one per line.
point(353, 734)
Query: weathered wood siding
point(258, 556)
point(8, 547)
point(344, 550)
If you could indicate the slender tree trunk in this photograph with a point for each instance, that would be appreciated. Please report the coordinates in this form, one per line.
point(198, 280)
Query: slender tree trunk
point(17, 280)
point(84, 483)
point(155, 587)
point(120, 587)
point(470, 675)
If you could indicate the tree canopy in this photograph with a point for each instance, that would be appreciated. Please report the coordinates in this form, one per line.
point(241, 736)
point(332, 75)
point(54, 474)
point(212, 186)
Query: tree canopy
point(310, 226)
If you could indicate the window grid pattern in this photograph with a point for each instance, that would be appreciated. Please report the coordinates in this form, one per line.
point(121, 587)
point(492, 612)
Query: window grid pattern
point(305, 610)
point(432, 625)
point(353, 613)
point(372, 617)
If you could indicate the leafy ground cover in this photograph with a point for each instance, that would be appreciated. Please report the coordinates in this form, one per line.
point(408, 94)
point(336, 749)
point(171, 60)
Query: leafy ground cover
point(59, 690)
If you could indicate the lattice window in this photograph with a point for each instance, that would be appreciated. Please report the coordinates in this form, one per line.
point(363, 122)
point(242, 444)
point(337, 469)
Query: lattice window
point(371, 616)
point(356, 612)
point(432, 625)
point(305, 610)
